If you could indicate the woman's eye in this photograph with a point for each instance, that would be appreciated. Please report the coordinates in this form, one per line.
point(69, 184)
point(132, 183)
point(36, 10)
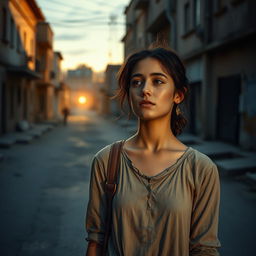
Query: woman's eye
point(136, 82)
point(158, 81)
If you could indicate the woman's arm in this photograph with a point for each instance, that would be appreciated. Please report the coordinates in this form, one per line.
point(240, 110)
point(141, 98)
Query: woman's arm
point(96, 209)
point(204, 219)
point(93, 249)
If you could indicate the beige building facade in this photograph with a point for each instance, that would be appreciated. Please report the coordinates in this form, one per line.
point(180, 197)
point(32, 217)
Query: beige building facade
point(79, 81)
point(216, 40)
point(17, 61)
point(44, 86)
point(108, 105)
point(61, 90)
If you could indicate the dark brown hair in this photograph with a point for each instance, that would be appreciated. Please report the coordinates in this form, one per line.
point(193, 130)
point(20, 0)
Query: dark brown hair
point(174, 67)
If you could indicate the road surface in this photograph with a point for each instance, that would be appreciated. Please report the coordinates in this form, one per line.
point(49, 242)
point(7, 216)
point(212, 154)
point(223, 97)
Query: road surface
point(44, 193)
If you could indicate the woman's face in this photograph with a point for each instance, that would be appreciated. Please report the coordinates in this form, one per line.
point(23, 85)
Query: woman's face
point(152, 91)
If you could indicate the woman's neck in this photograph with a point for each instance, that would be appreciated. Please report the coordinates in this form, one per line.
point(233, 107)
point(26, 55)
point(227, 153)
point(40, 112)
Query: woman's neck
point(154, 134)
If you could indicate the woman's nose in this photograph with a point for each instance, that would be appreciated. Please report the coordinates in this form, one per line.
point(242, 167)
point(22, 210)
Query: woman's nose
point(146, 89)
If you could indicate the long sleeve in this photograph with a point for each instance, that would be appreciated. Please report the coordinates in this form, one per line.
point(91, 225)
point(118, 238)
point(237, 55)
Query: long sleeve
point(204, 220)
point(96, 209)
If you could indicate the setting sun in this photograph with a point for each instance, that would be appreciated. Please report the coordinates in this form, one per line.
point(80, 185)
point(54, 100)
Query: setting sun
point(82, 100)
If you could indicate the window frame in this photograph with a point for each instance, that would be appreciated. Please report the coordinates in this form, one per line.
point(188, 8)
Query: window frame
point(12, 32)
point(5, 38)
point(18, 40)
point(186, 26)
point(197, 13)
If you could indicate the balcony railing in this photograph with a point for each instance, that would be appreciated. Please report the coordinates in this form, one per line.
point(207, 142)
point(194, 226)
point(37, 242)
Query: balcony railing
point(44, 35)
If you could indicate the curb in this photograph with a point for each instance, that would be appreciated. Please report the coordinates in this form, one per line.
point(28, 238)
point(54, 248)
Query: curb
point(37, 130)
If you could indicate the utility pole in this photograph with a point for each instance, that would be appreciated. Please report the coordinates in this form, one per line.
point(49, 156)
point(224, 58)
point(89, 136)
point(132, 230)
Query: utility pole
point(112, 36)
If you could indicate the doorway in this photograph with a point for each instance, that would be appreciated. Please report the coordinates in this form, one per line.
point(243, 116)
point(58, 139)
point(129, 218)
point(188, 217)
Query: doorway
point(195, 108)
point(229, 89)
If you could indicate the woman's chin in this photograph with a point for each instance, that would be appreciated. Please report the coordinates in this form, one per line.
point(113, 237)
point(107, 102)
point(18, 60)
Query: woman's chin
point(146, 116)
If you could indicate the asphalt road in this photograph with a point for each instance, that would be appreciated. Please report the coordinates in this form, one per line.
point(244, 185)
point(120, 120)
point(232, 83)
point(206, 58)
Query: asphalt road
point(44, 193)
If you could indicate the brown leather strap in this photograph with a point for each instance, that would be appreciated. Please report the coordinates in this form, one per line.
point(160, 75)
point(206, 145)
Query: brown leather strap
point(94, 244)
point(110, 187)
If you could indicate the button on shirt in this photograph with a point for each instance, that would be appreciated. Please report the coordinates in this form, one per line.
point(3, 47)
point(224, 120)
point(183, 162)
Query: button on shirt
point(172, 213)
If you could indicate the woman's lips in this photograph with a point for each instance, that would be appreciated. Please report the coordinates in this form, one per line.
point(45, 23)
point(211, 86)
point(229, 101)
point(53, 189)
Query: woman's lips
point(146, 104)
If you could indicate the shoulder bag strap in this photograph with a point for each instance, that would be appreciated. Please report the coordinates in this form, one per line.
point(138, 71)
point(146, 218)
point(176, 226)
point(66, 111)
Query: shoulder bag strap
point(110, 188)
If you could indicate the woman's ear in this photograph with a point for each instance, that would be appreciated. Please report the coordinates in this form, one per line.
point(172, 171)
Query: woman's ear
point(178, 97)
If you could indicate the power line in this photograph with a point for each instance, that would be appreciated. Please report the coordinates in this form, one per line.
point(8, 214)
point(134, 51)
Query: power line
point(70, 25)
point(101, 3)
point(94, 19)
point(78, 5)
point(64, 5)
point(66, 11)
point(86, 21)
point(99, 18)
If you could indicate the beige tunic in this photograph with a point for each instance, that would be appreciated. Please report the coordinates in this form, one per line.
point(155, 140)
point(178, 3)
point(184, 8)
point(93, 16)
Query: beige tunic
point(174, 213)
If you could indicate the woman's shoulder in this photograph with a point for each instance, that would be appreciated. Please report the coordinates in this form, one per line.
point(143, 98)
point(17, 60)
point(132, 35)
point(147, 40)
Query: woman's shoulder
point(203, 169)
point(103, 154)
point(200, 158)
point(200, 162)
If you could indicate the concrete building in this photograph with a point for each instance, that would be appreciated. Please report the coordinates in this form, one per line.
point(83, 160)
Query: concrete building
point(146, 22)
point(18, 21)
point(108, 105)
point(216, 40)
point(217, 44)
point(80, 78)
point(57, 74)
point(80, 83)
point(61, 90)
point(45, 59)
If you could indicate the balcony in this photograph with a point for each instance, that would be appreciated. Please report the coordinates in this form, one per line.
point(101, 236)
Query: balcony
point(44, 35)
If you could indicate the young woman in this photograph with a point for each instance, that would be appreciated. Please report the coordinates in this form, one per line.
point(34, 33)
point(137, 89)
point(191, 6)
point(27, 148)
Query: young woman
point(167, 198)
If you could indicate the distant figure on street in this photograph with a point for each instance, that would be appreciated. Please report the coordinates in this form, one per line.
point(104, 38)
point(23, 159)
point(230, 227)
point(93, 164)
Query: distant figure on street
point(65, 112)
point(165, 199)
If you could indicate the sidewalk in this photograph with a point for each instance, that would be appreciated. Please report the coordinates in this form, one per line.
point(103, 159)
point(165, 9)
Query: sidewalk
point(231, 160)
point(25, 137)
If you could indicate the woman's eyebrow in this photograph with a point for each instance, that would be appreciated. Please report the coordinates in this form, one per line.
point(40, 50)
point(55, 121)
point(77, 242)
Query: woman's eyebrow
point(152, 74)
point(136, 74)
point(158, 74)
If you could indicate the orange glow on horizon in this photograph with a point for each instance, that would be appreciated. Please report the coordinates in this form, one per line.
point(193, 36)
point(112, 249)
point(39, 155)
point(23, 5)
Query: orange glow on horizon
point(82, 100)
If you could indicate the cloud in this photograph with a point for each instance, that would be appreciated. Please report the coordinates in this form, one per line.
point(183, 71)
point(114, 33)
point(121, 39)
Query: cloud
point(69, 37)
point(77, 51)
point(73, 12)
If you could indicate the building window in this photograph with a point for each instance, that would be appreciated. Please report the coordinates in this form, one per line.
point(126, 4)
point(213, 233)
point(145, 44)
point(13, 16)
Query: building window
point(19, 95)
point(41, 103)
point(4, 26)
point(197, 13)
point(186, 17)
point(25, 40)
point(219, 7)
point(12, 33)
point(18, 39)
point(216, 5)
point(12, 94)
